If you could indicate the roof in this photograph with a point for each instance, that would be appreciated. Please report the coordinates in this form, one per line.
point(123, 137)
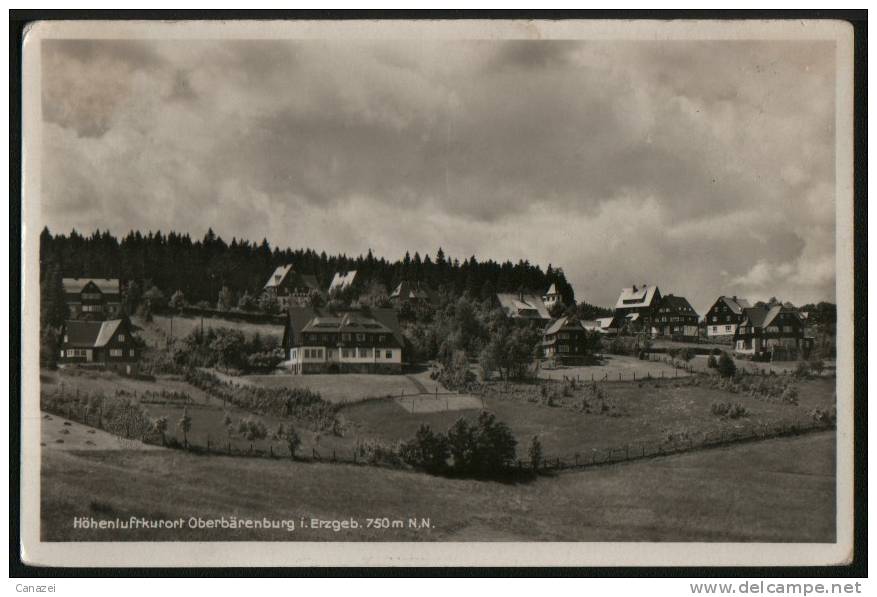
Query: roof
point(756, 315)
point(677, 304)
point(285, 274)
point(105, 285)
point(90, 334)
point(412, 290)
point(376, 321)
point(342, 281)
point(276, 279)
point(636, 296)
point(523, 306)
point(736, 304)
point(552, 290)
point(564, 323)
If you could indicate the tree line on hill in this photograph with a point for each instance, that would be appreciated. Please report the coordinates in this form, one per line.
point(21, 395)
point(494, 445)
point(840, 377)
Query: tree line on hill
point(201, 269)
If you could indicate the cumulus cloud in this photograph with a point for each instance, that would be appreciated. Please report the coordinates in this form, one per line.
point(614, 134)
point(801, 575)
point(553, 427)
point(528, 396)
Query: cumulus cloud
point(705, 167)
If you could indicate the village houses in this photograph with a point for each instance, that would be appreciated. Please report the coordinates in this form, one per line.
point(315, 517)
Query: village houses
point(772, 333)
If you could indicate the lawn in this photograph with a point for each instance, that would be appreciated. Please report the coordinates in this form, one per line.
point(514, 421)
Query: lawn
point(780, 490)
point(640, 412)
point(613, 366)
point(339, 388)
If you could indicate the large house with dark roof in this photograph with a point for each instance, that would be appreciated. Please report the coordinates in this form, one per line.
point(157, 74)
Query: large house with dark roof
point(724, 316)
point(773, 333)
point(638, 304)
point(289, 287)
point(565, 340)
point(108, 343)
point(92, 298)
point(675, 318)
point(523, 306)
point(343, 341)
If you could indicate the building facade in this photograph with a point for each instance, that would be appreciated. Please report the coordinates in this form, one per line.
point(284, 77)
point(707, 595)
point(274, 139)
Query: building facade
point(343, 341)
point(724, 316)
point(675, 318)
point(92, 298)
point(638, 306)
point(109, 344)
point(566, 340)
point(552, 297)
point(771, 333)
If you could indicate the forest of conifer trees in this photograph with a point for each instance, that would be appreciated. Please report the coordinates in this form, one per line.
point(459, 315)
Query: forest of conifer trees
point(200, 268)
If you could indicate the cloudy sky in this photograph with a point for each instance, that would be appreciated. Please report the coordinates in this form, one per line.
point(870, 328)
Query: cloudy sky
point(704, 167)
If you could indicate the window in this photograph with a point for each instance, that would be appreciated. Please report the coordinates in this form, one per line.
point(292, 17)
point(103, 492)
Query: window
point(131, 353)
point(564, 348)
point(92, 308)
point(715, 318)
point(727, 328)
point(65, 337)
point(389, 354)
point(345, 337)
point(75, 352)
point(715, 329)
point(360, 337)
point(363, 352)
point(121, 337)
point(787, 329)
point(345, 353)
point(381, 338)
point(116, 352)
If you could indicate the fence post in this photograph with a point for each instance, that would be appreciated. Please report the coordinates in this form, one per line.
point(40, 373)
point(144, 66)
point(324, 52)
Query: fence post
point(271, 450)
point(333, 455)
point(228, 446)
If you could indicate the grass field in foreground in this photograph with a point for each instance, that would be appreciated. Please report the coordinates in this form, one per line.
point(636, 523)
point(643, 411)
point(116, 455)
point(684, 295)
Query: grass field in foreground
point(777, 490)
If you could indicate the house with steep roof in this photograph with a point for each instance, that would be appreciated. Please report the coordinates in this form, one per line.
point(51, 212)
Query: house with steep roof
point(110, 344)
point(289, 287)
point(566, 340)
point(774, 333)
point(675, 318)
point(414, 293)
point(724, 316)
point(523, 306)
point(341, 282)
point(638, 304)
point(324, 340)
point(92, 298)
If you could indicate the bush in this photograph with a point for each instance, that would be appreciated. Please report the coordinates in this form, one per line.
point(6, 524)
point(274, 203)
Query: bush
point(726, 410)
point(252, 429)
point(711, 362)
point(726, 366)
point(428, 451)
point(483, 449)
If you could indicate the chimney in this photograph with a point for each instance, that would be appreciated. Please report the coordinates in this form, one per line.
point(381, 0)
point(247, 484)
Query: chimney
point(634, 287)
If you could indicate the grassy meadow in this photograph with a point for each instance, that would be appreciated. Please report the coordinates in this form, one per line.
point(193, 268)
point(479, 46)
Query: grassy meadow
point(760, 491)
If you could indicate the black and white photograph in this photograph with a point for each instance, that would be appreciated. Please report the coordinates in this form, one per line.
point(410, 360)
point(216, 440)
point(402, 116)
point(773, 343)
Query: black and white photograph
point(419, 293)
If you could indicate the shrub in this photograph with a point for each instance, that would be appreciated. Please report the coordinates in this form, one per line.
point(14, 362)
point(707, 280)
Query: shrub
point(711, 362)
point(427, 451)
point(726, 366)
point(726, 410)
point(483, 449)
point(252, 429)
point(686, 354)
point(790, 394)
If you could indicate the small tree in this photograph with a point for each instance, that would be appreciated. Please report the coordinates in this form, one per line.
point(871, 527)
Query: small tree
point(315, 299)
point(726, 366)
point(185, 425)
point(291, 437)
point(225, 301)
point(154, 297)
point(159, 425)
point(535, 453)
point(247, 302)
point(178, 300)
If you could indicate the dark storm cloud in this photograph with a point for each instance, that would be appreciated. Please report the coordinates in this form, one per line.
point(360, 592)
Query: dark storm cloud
point(707, 166)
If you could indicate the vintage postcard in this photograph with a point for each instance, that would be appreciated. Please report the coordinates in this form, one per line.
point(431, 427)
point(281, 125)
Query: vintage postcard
point(437, 293)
